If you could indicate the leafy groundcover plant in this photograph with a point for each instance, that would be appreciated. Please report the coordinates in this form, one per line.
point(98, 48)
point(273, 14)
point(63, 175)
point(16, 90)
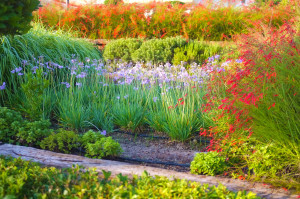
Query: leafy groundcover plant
point(24, 179)
point(16, 130)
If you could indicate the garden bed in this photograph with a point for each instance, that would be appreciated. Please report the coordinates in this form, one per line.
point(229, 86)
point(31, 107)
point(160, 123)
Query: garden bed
point(49, 158)
point(159, 151)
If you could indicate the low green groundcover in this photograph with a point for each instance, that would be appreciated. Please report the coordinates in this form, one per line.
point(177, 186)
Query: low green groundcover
point(24, 179)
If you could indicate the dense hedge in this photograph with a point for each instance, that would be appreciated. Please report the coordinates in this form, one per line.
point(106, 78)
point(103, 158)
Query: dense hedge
point(160, 20)
point(172, 50)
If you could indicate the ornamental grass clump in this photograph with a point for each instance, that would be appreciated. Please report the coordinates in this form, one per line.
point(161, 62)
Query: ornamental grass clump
point(38, 48)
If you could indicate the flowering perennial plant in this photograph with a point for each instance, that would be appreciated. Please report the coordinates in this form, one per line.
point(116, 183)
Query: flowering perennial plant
point(256, 97)
point(159, 20)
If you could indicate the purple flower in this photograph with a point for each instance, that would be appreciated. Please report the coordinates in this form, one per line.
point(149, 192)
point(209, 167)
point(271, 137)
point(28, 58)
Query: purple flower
point(67, 84)
point(81, 75)
point(103, 133)
point(118, 97)
point(78, 84)
point(24, 62)
point(20, 74)
point(126, 96)
point(217, 56)
point(154, 99)
point(211, 59)
point(220, 70)
point(3, 86)
point(73, 72)
point(16, 70)
point(239, 61)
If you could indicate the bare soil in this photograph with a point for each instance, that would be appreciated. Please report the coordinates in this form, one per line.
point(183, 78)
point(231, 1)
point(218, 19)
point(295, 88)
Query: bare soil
point(154, 149)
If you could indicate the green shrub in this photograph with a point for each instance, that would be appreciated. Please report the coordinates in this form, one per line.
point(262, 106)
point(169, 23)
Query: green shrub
point(195, 51)
point(16, 15)
point(90, 137)
point(112, 2)
point(62, 141)
point(24, 179)
point(210, 163)
point(99, 146)
point(158, 50)
point(266, 161)
point(172, 50)
point(103, 147)
point(10, 122)
point(13, 128)
point(33, 132)
point(34, 87)
point(121, 49)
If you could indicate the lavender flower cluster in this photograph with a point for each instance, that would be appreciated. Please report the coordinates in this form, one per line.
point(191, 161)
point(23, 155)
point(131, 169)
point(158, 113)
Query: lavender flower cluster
point(127, 73)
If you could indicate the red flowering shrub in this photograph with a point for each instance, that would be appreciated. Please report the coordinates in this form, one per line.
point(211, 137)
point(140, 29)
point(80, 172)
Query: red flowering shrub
point(258, 93)
point(159, 20)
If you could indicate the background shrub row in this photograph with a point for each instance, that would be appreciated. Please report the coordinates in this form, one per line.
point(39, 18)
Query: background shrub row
point(159, 20)
point(172, 50)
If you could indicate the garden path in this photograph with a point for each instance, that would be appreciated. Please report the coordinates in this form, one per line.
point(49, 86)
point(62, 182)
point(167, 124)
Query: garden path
point(49, 158)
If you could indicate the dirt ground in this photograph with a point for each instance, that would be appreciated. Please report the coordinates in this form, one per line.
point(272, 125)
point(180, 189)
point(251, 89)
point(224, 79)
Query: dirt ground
point(154, 149)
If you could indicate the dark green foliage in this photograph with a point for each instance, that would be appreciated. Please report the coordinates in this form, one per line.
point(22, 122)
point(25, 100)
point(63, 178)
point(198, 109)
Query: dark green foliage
point(23, 179)
point(10, 122)
point(62, 141)
point(32, 133)
point(15, 129)
point(16, 15)
point(210, 163)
